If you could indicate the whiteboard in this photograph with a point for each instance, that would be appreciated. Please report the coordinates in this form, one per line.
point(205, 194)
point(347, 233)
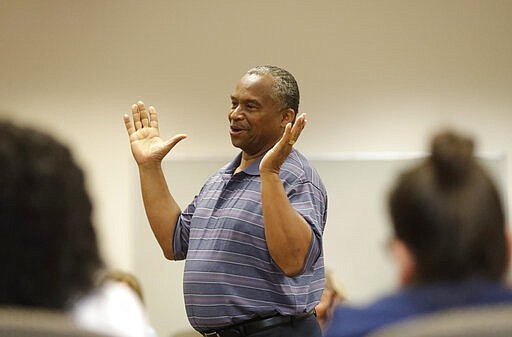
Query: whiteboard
point(354, 239)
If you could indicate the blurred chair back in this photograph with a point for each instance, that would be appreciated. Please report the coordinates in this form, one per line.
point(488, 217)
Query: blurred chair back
point(17, 322)
point(484, 321)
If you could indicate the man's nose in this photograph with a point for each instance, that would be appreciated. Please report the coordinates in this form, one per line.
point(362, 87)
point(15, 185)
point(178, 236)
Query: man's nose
point(236, 113)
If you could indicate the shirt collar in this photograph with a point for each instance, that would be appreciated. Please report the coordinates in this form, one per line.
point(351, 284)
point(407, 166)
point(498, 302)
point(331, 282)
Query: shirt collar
point(253, 169)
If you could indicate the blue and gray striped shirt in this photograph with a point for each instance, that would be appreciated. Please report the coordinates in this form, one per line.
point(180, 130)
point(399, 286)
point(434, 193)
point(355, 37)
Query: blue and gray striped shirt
point(229, 275)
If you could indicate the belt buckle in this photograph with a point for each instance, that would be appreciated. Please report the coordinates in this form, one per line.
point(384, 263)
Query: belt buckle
point(211, 334)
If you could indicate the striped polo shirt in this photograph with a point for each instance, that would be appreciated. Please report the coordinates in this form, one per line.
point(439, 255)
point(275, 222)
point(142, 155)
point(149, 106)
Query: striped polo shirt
point(229, 275)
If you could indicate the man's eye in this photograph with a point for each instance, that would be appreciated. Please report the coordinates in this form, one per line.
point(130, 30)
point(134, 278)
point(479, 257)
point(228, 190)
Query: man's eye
point(251, 106)
point(234, 105)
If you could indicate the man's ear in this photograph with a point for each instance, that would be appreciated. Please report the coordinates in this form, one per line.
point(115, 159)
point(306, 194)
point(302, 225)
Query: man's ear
point(288, 116)
point(404, 260)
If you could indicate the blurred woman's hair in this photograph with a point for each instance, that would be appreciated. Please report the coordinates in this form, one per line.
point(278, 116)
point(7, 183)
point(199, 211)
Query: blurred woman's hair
point(49, 247)
point(448, 212)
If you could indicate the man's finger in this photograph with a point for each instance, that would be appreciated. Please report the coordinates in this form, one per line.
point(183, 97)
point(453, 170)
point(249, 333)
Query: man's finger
point(297, 128)
point(288, 135)
point(144, 118)
point(128, 124)
point(136, 117)
point(153, 117)
point(173, 141)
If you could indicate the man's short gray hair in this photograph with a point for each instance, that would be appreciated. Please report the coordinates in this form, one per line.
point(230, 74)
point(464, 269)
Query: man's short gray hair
point(285, 87)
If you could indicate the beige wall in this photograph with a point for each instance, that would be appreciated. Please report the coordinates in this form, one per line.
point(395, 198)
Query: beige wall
point(374, 76)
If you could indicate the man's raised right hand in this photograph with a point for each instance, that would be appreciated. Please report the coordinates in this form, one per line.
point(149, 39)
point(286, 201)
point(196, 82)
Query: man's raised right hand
point(147, 146)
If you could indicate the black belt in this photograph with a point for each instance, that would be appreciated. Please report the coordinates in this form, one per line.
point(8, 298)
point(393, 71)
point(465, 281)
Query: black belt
point(253, 326)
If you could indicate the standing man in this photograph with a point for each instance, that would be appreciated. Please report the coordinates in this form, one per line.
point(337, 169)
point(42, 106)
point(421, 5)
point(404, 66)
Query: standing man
point(252, 237)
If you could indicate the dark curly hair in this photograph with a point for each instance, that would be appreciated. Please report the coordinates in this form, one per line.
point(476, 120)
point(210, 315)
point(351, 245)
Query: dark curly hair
point(49, 248)
point(449, 213)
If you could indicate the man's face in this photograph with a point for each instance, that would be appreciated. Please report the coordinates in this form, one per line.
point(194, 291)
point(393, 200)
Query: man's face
point(256, 118)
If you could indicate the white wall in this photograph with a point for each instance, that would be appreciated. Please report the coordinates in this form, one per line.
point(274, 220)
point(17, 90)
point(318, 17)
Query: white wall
point(374, 76)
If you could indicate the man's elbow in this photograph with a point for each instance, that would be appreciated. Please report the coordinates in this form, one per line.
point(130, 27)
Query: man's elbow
point(168, 253)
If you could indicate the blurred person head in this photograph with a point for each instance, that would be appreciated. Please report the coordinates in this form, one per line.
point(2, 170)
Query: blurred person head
point(448, 218)
point(48, 243)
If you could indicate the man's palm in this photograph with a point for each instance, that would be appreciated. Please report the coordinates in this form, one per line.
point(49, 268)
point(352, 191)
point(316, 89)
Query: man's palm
point(147, 146)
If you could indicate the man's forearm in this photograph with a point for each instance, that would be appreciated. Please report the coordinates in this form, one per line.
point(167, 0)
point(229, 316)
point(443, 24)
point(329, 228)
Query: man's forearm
point(162, 210)
point(287, 234)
